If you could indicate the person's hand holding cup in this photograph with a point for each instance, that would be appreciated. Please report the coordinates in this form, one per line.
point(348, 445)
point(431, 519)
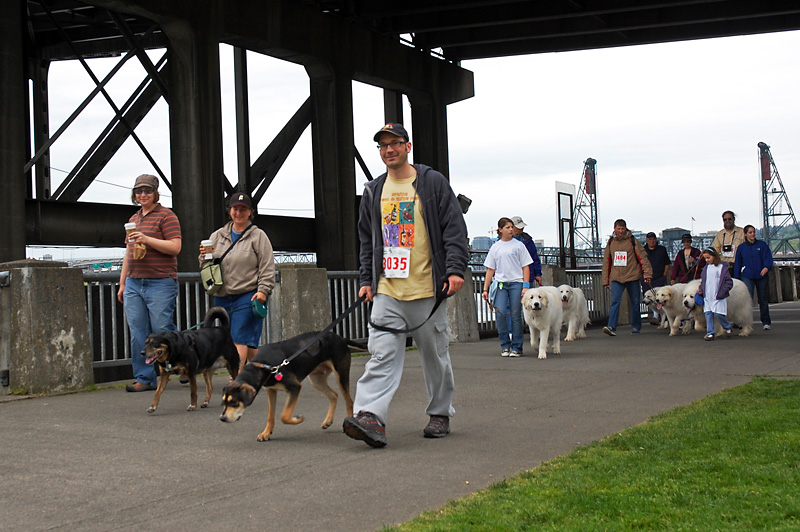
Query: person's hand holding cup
point(130, 227)
point(208, 249)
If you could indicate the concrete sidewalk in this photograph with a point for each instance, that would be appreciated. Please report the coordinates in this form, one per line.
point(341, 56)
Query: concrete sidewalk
point(99, 461)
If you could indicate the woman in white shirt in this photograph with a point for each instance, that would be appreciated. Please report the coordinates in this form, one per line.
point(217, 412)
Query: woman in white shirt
point(507, 263)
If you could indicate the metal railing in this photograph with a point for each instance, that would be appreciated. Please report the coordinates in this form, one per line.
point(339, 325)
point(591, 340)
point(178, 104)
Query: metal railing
point(111, 339)
point(343, 292)
point(107, 326)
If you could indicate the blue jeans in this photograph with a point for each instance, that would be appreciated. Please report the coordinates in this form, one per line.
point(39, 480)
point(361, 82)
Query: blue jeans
point(635, 295)
point(723, 321)
point(762, 285)
point(149, 308)
point(508, 302)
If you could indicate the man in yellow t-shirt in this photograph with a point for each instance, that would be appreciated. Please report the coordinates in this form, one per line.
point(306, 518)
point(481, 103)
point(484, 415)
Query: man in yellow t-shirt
point(413, 254)
point(728, 239)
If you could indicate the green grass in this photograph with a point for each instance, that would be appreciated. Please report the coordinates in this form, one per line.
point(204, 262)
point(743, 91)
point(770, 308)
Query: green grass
point(728, 462)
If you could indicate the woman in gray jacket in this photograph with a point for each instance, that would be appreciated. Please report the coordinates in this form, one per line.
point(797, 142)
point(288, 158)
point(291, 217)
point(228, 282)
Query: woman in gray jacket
point(248, 272)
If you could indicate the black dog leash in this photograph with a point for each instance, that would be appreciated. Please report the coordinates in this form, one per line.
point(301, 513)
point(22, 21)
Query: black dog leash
point(275, 370)
point(440, 296)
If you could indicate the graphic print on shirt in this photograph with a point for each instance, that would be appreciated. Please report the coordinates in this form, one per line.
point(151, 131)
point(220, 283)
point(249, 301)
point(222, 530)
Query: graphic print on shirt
point(398, 223)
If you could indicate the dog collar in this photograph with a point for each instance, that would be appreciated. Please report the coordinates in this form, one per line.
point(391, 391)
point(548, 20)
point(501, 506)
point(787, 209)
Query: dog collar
point(272, 370)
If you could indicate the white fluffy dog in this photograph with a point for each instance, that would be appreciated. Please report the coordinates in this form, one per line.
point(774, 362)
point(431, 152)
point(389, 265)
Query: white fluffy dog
point(542, 310)
point(649, 299)
point(669, 299)
point(740, 308)
point(696, 311)
point(576, 311)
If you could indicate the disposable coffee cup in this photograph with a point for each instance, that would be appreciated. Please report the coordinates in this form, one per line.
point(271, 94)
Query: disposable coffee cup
point(208, 248)
point(130, 228)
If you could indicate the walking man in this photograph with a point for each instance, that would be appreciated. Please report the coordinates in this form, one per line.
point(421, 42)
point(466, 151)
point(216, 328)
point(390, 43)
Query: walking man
point(413, 254)
point(659, 261)
point(624, 263)
point(530, 245)
point(730, 237)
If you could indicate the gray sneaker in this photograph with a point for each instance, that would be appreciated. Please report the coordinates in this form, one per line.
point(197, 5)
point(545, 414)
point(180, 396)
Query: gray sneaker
point(365, 426)
point(515, 354)
point(505, 352)
point(609, 331)
point(438, 427)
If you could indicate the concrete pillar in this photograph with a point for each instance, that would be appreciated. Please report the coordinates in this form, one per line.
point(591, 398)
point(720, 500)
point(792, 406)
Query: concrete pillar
point(462, 313)
point(788, 282)
point(299, 303)
point(775, 290)
point(13, 131)
point(553, 275)
point(44, 331)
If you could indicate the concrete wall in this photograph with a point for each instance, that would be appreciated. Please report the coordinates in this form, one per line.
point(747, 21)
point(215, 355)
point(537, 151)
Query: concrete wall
point(300, 301)
point(45, 345)
point(462, 314)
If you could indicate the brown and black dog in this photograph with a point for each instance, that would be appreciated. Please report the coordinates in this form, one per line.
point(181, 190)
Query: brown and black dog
point(328, 354)
point(192, 352)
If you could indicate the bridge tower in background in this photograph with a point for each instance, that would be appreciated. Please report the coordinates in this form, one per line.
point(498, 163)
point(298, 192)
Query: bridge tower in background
point(587, 235)
point(777, 211)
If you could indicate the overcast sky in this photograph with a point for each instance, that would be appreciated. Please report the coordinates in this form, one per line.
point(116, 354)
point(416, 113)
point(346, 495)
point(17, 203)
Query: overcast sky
point(674, 129)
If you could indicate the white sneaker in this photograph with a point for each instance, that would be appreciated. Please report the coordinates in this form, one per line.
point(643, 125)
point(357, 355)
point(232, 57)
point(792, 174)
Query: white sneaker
point(515, 354)
point(767, 327)
point(505, 352)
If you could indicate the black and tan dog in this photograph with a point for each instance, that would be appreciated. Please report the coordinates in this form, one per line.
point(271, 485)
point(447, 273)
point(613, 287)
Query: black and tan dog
point(328, 354)
point(192, 352)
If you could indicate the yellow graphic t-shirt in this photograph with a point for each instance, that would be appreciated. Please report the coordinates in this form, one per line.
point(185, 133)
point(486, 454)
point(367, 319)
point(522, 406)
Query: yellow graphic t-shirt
point(403, 230)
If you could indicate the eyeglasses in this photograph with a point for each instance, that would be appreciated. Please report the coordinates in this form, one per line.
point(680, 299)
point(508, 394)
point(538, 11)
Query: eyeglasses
point(395, 144)
point(727, 219)
point(141, 190)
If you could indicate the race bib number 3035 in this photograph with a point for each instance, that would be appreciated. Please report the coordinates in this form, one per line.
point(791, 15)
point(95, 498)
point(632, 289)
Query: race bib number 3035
point(396, 262)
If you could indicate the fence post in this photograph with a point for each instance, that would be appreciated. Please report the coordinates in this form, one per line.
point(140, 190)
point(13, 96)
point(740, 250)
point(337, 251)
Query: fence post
point(45, 345)
point(462, 313)
point(300, 302)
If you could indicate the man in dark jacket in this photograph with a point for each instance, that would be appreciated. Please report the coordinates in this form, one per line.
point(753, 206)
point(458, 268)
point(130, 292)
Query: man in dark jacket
point(659, 261)
point(413, 253)
point(530, 245)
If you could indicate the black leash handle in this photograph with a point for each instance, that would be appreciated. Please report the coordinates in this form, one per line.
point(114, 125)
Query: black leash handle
point(440, 296)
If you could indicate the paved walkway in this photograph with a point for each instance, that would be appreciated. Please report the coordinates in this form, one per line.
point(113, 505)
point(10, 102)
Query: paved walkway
point(98, 461)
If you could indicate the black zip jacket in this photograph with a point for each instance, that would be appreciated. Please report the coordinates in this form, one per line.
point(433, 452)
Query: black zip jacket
point(444, 222)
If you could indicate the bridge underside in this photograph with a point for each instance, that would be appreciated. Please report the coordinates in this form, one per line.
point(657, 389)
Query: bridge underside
point(336, 41)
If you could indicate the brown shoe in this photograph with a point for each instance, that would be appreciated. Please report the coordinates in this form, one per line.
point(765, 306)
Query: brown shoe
point(438, 427)
point(138, 387)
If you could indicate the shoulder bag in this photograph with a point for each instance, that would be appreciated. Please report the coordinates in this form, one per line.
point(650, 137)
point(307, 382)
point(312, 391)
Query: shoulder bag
point(211, 272)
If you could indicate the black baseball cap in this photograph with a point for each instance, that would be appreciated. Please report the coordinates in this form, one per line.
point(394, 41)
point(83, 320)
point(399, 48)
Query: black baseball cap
point(685, 237)
point(240, 198)
point(395, 129)
point(651, 235)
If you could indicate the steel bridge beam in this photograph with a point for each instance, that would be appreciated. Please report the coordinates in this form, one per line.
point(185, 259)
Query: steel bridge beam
point(14, 183)
point(334, 54)
point(98, 224)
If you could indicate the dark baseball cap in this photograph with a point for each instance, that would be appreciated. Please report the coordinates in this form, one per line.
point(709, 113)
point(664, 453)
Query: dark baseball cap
point(395, 129)
point(240, 198)
point(651, 235)
point(686, 236)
